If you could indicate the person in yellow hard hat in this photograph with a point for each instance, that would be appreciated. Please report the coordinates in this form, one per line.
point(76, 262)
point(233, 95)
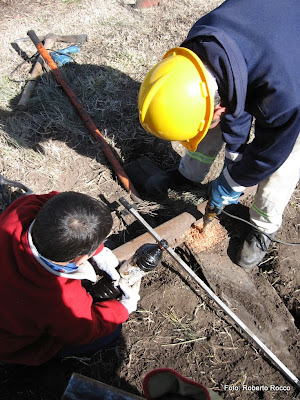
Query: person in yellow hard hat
point(187, 117)
point(228, 73)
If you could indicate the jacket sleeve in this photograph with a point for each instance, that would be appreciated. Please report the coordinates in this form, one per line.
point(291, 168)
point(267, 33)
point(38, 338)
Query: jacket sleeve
point(78, 321)
point(236, 131)
point(271, 146)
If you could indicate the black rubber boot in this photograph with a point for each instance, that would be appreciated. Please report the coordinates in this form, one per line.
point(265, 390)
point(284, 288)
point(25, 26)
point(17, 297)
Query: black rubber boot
point(254, 249)
point(161, 182)
point(176, 179)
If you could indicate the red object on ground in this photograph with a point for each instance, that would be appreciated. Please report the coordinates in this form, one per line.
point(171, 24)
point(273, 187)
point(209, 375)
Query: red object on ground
point(148, 3)
point(165, 382)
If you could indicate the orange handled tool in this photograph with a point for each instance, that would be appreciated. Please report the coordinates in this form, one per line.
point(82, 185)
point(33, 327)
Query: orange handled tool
point(85, 117)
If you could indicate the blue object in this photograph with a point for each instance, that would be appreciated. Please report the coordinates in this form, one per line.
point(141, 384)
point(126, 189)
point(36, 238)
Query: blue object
point(61, 57)
point(69, 50)
point(69, 268)
point(222, 194)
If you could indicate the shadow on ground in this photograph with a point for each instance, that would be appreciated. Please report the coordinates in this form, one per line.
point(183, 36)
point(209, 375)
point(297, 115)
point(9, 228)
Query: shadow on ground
point(49, 380)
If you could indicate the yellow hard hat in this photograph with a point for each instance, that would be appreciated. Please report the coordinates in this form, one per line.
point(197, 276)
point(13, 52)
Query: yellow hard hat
point(174, 100)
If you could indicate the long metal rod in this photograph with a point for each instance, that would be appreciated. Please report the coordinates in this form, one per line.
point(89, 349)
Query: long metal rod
point(292, 378)
point(86, 118)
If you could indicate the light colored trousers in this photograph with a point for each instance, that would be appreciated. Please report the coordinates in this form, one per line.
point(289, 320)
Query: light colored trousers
point(273, 193)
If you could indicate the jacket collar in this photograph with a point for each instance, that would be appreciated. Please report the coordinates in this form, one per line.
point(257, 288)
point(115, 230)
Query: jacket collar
point(83, 271)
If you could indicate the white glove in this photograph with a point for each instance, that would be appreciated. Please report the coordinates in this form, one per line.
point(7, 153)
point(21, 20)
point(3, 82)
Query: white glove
point(131, 295)
point(106, 261)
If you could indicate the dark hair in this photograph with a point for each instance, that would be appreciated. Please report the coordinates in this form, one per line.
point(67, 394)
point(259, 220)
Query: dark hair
point(217, 98)
point(70, 225)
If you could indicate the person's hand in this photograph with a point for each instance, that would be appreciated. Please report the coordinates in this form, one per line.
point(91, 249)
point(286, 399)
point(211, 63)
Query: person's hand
point(130, 295)
point(221, 192)
point(106, 261)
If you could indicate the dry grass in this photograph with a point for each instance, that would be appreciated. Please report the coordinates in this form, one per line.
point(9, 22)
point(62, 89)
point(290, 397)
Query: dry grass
point(183, 331)
point(122, 45)
point(47, 147)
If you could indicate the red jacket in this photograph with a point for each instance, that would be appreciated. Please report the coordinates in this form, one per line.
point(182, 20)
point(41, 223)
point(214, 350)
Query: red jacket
point(40, 312)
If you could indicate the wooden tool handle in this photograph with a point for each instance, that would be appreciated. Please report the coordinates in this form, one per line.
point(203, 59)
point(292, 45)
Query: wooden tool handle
point(35, 73)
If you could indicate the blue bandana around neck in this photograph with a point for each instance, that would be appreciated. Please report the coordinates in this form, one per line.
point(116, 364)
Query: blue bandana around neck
point(68, 269)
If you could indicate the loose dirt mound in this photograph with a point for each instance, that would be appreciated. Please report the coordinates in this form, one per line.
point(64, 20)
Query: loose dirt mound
point(199, 239)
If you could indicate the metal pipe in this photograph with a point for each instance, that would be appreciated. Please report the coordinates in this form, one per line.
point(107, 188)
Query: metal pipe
point(173, 230)
point(89, 123)
point(81, 387)
point(271, 356)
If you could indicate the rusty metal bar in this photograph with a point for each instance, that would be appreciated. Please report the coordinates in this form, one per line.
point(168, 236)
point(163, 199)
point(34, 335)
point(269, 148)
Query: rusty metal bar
point(173, 230)
point(89, 123)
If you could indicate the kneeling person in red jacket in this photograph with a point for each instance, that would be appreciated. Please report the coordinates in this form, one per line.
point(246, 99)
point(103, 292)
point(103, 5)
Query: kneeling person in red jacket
point(46, 241)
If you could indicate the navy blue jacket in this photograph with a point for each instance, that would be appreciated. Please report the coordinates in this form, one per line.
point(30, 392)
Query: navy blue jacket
point(253, 49)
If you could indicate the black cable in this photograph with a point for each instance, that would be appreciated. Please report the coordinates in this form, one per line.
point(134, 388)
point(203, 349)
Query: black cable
point(8, 182)
point(30, 60)
point(258, 230)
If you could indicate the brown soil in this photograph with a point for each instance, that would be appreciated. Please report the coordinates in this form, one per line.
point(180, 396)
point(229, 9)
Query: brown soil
point(177, 325)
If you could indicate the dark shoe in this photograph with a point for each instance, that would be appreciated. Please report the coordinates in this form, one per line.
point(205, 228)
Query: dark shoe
point(176, 179)
point(161, 182)
point(158, 183)
point(254, 249)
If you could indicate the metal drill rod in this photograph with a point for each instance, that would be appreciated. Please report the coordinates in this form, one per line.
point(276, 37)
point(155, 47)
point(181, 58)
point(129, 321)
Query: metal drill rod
point(271, 356)
point(86, 118)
